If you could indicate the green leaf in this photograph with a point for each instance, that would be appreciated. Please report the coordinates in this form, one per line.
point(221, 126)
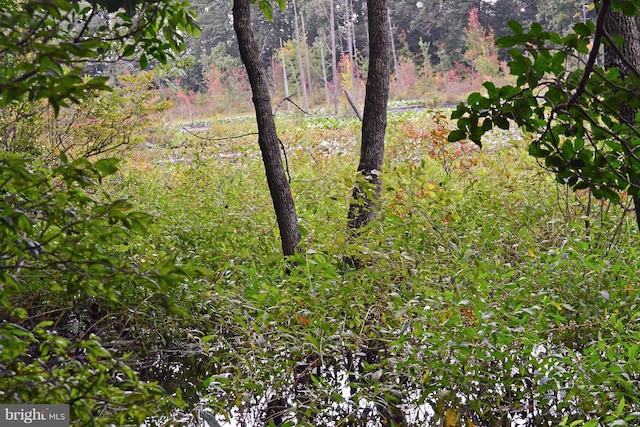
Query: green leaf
point(620, 410)
point(99, 83)
point(44, 324)
point(629, 8)
point(501, 122)
point(618, 39)
point(143, 61)
point(55, 104)
point(581, 185)
point(16, 330)
point(459, 111)
point(457, 135)
point(107, 166)
point(515, 26)
point(555, 38)
point(611, 195)
point(266, 9)
point(473, 98)
point(582, 29)
point(139, 221)
point(129, 50)
point(506, 41)
point(48, 65)
point(121, 205)
point(94, 349)
point(537, 150)
point(536, 29)
point(491, 88)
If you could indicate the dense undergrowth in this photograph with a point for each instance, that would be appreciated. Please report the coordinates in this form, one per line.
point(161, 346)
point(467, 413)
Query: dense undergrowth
point(487, 295)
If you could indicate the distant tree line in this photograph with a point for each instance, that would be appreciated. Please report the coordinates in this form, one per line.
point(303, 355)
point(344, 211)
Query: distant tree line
point(427, 33)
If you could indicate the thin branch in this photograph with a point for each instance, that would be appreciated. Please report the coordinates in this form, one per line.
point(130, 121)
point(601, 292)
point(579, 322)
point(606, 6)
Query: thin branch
point(621, 55)
point(306, 372)
point(353, 105)
point(609, 82)
point(595, 50)
point(218, 139)
point(288, 98)
point(286, 160)
point(628, 152)
point(85, 26)
point(616, 233)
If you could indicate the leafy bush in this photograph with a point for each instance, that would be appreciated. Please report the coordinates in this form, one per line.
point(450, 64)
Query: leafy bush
point(65, 289)
point(106, 124)
point(72, 299)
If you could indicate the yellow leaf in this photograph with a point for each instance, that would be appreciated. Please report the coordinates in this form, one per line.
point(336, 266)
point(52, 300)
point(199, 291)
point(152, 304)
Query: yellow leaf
point(556, 305)
point(531, 254)
point(445, 315)
point(450, 418)
point(628, 288)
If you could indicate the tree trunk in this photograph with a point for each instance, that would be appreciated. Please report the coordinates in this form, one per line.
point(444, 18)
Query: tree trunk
point(324, 70)
point(334, 62)
point(347, 22)
point(354, 51)
point(394, 55)
point(306, 57)
point(374, 121)
point(300, 64)
point(628, 27)
point(267, 136)
point(284, 75)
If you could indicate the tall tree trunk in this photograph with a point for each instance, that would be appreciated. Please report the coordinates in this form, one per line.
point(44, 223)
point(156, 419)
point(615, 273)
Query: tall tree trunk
point(347, 25)
point(354, 51)
point(267, 136)
point(306, 57)
point(284, 75)
point(324, 69)
point(300, 64)
point(394, 55)
point(334, 62)
point(628, 27)
point(374, 121)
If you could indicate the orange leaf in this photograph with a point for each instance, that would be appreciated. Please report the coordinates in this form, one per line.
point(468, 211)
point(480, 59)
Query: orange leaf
point(303, 320)
point(468, 313)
